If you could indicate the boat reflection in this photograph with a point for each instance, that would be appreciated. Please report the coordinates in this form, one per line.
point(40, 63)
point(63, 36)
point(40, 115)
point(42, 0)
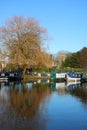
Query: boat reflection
point(58, 86)
point(69, 86)
point(63, 85)
point(73, 85)
point(29, 85)
point(80, 92)
point(77, 89)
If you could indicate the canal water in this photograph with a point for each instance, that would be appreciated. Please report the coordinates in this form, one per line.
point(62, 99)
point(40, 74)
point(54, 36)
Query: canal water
point(43, 105)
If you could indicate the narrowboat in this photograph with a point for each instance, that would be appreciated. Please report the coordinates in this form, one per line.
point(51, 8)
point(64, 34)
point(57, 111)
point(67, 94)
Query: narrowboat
point(57, 76)
point(73, 76)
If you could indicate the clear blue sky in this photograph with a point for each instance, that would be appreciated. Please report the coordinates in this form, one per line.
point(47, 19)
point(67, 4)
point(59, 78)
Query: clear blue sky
point(65, 20)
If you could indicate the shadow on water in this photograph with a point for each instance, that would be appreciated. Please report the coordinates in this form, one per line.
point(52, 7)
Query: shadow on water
point(23, 105)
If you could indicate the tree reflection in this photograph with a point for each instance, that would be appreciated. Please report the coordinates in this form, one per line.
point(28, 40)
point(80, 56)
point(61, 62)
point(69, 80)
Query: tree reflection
point(26, 106)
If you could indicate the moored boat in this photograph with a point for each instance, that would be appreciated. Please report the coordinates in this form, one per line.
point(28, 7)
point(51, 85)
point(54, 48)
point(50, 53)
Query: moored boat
point(84, 77)
point(73, 76)
point(15, 76)
point(5, 76)
point(57, 76)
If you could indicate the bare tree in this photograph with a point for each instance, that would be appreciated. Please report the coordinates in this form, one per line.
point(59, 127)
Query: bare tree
point(23, 39)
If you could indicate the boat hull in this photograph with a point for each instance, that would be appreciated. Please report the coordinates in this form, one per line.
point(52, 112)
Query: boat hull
point(73, 76)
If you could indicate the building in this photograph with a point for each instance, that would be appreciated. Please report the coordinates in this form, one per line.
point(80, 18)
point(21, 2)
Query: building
point(3, 65)
point(61, 57)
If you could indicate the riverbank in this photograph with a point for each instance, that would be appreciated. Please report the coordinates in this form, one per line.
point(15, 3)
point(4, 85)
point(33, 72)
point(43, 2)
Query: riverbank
point(34, 77)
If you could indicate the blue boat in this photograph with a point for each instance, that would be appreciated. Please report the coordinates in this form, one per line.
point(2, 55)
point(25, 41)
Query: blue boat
point(73, 76)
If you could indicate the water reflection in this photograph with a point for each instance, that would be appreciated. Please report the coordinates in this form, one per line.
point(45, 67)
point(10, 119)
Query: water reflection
point(25, 105)
point(80, 91)
point(77, 89)
point(73, 85)
point(22, 105)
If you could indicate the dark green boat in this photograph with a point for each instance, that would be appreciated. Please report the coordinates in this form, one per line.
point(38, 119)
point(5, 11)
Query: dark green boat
point(84, 77)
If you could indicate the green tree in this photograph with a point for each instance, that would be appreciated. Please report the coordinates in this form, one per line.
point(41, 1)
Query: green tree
point(76, 60)
point(83, 58)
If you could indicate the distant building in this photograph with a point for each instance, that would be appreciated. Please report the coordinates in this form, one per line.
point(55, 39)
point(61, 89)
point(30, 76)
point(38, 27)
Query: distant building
point(3, 65)
point(61, 58)
point(49, 61)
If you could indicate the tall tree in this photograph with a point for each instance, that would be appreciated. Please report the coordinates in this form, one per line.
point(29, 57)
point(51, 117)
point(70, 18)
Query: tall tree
point(76, 60)
point(83, 58)
point(23, 39)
